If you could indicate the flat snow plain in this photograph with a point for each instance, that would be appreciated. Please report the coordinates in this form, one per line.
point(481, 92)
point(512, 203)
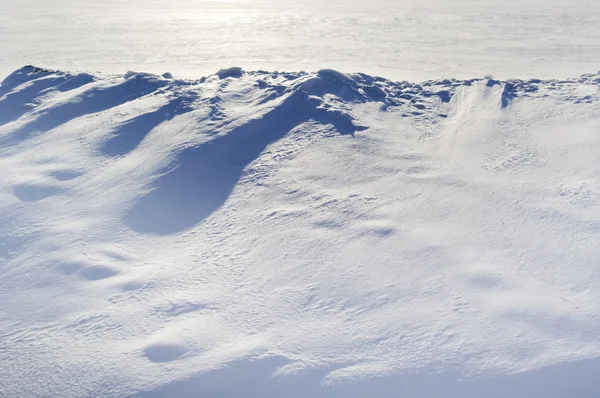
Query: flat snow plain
point(255, 234)
point(399, 39)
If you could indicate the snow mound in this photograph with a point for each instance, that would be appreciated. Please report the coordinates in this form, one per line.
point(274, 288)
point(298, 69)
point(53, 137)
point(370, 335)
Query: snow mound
point(267, 234)
point(234, 71)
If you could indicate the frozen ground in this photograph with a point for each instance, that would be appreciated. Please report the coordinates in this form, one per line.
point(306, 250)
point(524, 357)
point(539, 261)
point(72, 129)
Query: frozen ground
point(399, 39)
point(255, 234)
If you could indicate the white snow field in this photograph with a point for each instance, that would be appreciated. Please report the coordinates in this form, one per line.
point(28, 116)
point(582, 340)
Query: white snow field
point(400, 39)
point(257, 234)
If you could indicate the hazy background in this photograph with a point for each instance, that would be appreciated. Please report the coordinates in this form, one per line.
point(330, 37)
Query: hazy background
point(400, 39)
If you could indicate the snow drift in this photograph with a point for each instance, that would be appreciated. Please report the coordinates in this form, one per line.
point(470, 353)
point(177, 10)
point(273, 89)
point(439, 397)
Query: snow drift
point(319, 234)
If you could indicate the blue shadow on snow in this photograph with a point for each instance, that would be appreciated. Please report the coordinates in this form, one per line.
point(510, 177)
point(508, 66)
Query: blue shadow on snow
point(254, 379)
point(205, 175)
point(94, 100)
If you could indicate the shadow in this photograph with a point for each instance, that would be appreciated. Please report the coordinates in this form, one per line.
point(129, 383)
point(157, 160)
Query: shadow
point(205, 175)
point(254, 379)
point(65, 175)
point(74, 82)
point(97, 272)
point(491, 82)
point(508, 94)
point(444, 95)
point(161, 353)
point(22, 75)
point(94, 100)
point(128, 136)
point(34, 193)
point(16, 103)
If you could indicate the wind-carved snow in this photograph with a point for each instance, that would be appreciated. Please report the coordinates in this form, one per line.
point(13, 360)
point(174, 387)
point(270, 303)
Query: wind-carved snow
point(318, 234)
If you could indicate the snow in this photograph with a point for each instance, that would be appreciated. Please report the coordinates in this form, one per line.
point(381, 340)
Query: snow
point(325, 234)
point(328, 233)
point(399, 39)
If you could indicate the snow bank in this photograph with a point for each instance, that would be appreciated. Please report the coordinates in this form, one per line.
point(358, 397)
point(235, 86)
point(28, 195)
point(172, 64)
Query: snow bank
point(318, 234)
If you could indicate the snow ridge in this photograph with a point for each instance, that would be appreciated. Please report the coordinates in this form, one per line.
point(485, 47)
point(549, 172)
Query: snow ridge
point(267, 234)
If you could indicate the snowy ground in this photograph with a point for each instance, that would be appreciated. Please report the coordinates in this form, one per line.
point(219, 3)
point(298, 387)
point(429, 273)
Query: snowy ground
point(399, 39)
point(255, 234)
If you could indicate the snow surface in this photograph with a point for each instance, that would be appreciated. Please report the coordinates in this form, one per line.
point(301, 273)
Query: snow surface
point(257, 234)
point(399, 39)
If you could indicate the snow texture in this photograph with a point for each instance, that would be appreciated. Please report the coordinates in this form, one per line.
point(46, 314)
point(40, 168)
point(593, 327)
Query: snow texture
point(272, 234)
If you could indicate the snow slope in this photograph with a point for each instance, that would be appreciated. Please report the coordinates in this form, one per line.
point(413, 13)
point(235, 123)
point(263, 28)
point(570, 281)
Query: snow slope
point(257, 234)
